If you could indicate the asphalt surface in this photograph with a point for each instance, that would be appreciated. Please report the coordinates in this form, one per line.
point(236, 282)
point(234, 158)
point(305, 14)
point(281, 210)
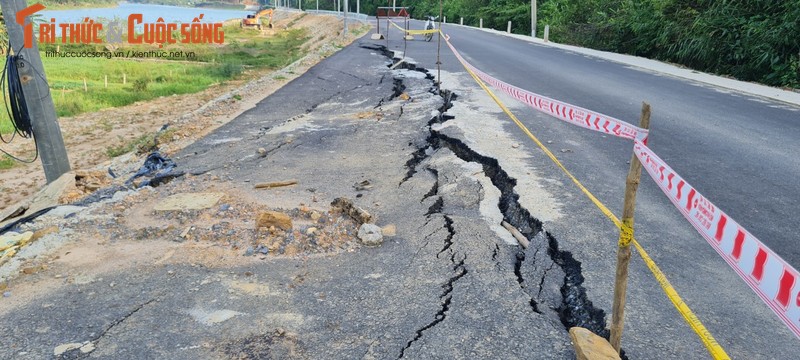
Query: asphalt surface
point(448, 285)
point(736, 149)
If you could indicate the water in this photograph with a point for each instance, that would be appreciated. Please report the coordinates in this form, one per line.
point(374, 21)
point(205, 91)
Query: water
point(149, 12)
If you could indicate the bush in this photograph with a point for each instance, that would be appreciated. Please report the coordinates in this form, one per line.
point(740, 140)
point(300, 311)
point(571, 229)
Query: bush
point(140, 84)
point(229, 70)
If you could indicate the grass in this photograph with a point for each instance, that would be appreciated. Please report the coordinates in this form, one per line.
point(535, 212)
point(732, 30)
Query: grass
point(5, 125)
point(146, 79)
point(6, 162)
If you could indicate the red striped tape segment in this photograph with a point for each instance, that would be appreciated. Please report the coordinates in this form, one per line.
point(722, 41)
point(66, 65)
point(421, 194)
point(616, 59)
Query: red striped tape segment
point(775, 281)
point(563, 111)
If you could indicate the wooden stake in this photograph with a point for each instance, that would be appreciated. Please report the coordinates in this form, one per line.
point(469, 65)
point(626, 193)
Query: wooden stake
point(124, 79)
point(275, 184)
point(521, 239)
point(625, 238)
point(105, 82)
point(63, 90)
point(85, 88)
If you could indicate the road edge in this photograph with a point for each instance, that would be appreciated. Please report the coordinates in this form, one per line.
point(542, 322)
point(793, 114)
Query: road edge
point(763, 91)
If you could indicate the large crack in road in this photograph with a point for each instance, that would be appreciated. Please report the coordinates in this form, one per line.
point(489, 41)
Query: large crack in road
point(574, 308)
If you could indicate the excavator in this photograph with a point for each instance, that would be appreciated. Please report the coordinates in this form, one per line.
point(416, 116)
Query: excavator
point(254, 20)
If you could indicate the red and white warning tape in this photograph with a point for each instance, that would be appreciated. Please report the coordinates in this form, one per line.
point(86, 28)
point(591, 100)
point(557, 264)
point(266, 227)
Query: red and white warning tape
point(563, 111)
point(775, 281)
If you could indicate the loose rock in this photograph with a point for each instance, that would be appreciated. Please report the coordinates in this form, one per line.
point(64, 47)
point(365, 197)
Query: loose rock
point(370, 235)
point(267, 219)
point(589, 346)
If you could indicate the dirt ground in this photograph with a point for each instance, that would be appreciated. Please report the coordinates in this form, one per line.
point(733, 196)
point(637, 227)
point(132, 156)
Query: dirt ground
point(189, 116)
point(130, 234)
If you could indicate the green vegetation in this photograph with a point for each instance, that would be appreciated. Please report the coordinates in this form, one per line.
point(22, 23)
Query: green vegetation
point(5, 125)
point(146, 79)
point(6, 162)
point(749, 40)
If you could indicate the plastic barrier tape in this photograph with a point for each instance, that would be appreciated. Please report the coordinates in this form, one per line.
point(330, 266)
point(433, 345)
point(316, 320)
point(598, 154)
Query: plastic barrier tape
point(775, 281)
point(716, 351)
point(415, 32)
point(570, 113)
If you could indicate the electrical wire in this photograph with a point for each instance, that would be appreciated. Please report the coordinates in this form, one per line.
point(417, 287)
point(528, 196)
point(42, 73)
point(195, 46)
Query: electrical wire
point(15, 104)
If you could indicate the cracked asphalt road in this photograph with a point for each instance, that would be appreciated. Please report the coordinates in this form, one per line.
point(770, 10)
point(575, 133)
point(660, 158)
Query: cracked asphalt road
point(448, 285)
point(693, 130)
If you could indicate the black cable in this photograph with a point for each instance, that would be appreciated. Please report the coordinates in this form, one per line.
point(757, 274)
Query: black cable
point(16, 106)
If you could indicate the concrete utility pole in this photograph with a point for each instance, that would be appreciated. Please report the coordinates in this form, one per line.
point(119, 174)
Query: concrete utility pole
point(37, 95)
point(358, 6)
point(533, 18)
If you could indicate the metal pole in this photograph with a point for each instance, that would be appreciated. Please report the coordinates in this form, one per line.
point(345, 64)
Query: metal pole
point(317, 5)
point(46, 130)
point(625, 238)
point(509, 27)
point(300, 5)
point(438, 51)
point(358, 6)
point(461, 22)
point(533, 18)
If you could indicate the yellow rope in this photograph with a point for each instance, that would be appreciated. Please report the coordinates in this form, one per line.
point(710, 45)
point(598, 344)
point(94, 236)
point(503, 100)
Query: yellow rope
point(415, 32)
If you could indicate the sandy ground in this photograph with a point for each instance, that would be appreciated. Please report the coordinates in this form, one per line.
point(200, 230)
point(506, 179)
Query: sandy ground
point(189, 116)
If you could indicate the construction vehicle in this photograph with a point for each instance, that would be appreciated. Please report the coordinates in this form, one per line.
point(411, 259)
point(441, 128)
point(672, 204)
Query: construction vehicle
point(254, 20)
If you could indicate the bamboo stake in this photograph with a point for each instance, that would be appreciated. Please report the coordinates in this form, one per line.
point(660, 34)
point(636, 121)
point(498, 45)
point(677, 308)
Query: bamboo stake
point(105, 82)
point(625, 238)
point(124, 78)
